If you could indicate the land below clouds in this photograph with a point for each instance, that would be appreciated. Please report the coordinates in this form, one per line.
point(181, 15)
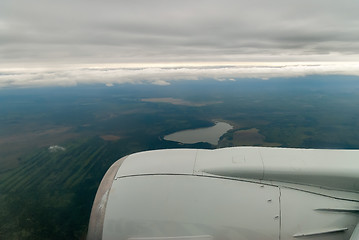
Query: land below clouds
point(96, 125)
point(177, 101)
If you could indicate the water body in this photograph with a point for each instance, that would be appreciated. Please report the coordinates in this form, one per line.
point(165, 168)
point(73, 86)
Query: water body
point(210, 134)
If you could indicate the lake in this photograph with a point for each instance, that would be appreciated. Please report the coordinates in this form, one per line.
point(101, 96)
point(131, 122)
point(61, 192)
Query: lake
point(210, 134)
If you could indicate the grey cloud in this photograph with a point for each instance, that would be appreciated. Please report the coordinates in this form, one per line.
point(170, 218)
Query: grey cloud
point(158, 30)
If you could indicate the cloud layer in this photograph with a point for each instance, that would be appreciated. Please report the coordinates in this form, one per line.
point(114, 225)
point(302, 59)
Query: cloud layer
point(142, 31)
point(165, 74)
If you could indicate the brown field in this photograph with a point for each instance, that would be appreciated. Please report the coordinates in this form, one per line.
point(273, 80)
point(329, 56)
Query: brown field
point(110, 137)
point(177, 101)
point(248, 137)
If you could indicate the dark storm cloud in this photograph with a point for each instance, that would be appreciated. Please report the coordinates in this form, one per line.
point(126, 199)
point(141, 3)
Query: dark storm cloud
point(52, 32)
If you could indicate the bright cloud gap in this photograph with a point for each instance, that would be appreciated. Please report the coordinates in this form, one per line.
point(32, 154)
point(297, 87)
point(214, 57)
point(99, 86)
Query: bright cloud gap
point(165, 74)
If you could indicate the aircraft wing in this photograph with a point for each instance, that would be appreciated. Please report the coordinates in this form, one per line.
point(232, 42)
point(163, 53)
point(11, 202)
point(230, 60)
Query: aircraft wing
point(230, 193)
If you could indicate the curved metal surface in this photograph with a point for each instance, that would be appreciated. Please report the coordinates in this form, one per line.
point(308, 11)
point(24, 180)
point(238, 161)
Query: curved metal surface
point(326, 168)
point(231, 193)
point(97, 217)
point(173, 206)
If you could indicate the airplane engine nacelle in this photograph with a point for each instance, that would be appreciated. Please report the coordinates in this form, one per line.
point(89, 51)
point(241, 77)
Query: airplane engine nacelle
point(249, 193)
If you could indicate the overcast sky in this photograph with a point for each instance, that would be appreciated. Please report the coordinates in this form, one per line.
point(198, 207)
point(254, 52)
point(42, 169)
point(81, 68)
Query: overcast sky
point(64, 33)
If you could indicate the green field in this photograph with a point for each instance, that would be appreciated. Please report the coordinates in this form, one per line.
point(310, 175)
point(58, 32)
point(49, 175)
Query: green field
point(48, 194)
